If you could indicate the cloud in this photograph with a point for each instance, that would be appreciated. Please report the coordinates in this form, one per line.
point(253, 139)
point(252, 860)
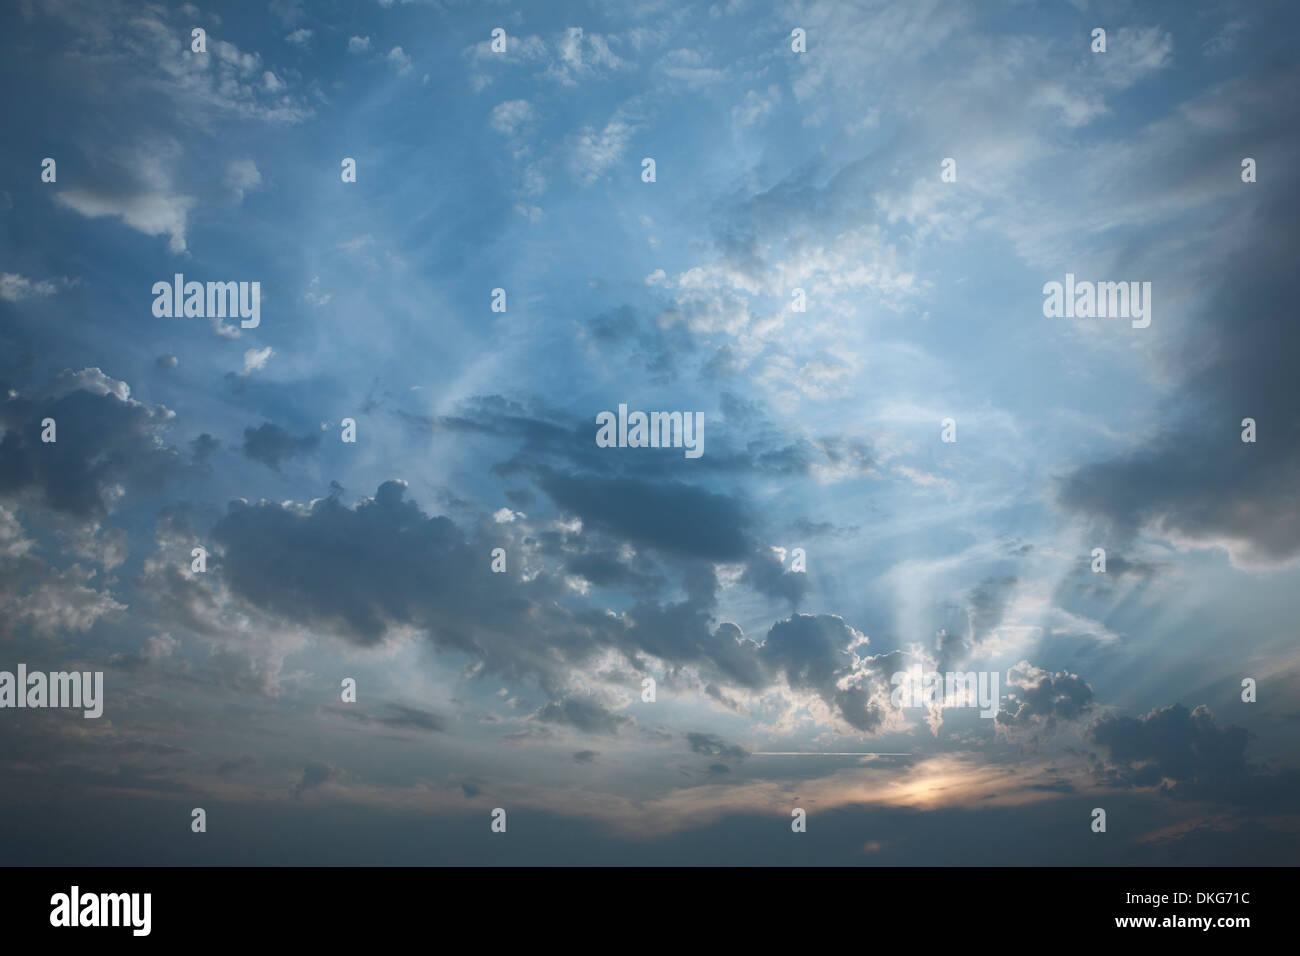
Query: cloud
point(581, 55)
point(359, 44)
point(315, 774)
point(766, 573)
point(711, 745)
point(241, 176)
point(397, 717)
point(1135, 52)
point(107, 446)
point(756, 107)
point(510, 117)
point(404, 571)
point(15, 287)
point(315, 297)
point(399, 60)
point(595, 150)
point(670, 516)
point(133, 52)
point(1187, 755)
point(255, 359)
point(818, 653)
point(1036, 697)
point(270, 444)
point(585, 714)
point(287, 11)
point(1195, 482)
point(45, 600)
point(153, 215)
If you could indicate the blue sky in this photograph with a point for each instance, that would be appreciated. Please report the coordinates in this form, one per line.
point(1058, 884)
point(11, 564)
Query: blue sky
point(775, 171)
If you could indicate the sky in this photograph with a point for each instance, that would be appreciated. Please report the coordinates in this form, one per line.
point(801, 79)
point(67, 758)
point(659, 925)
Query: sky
point(839, 260)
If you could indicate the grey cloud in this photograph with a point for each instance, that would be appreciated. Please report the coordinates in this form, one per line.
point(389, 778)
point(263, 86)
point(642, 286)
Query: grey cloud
point(711, 745)
point(384, 562)
point(1042, 698)
point(669, 516)
point(270, 444)
point(767, 575)
point(817, 653)
point(1196, 478)
point(105, 440)
point(583, 713)
point(1187, 754)
point(314, 775)
point(396, 716)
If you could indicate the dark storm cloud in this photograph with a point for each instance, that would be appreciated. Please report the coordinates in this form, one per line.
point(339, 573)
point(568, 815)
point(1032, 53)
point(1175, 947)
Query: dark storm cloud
point(360, 570)
point(1188, 754)
point(1172, 743)
point(357, 571)
point(1197, 478)
point(104, 440)
point(270, 444)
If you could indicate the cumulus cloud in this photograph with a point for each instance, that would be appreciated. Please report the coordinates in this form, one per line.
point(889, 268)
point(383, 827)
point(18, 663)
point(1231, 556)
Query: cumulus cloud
point(819, 653)
point(108, 445)
point(1187, 754)
point(1038, 698)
